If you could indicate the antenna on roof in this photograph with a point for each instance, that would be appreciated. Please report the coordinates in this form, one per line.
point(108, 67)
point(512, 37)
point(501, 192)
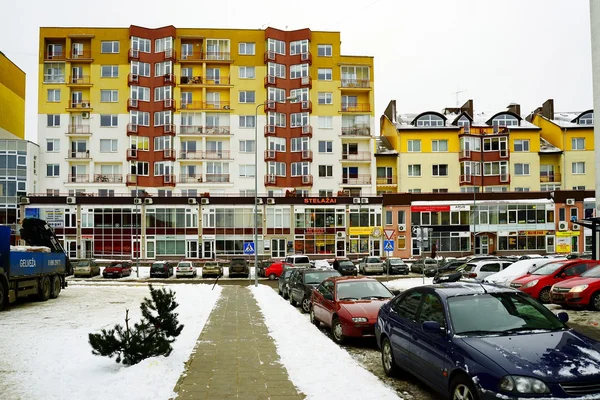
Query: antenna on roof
point(483, 287)
point(457, 93)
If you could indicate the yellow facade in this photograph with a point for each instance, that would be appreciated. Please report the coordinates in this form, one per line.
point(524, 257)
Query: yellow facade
point(531, 180)
point(12, 99)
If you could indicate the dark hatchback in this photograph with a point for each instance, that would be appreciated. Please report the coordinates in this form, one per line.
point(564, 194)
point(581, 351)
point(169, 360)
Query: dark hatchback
point(345, 267)
point(473, 341)
point(303, 282)
point(283, 284)
point(161, 269)
point(395, 266)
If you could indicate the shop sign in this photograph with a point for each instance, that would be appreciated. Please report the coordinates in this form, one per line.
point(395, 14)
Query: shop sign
point(429, 208)
point(533, 233)
point(320, 200)
point(314, 230)
point(563, 245)
point(567, 233)
point(360, 230)
point(462, 207)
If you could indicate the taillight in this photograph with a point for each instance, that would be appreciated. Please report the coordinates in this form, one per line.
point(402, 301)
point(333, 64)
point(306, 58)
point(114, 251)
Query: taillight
point(472, 275)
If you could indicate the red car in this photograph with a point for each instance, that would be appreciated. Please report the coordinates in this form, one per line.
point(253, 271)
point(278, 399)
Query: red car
point(274, 270)
point(583, 291)
point(539, 282)
point(348, 305)
point(117, 270)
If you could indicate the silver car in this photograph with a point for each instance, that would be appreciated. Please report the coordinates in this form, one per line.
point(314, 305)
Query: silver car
point(370, 265)
point(86, 268)
point(185, 268)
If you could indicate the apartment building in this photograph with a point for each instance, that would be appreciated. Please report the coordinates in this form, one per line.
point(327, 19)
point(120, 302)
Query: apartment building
point(173, 111)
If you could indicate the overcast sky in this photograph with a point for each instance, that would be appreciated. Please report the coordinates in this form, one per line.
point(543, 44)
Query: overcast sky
point(495, 52)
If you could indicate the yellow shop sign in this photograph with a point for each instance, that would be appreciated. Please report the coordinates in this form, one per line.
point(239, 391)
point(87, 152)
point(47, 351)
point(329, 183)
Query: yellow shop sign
point(361, 230)
point(567, 233)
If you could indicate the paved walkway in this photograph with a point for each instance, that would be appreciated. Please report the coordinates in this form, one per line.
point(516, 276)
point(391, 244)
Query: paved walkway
point(235, 357)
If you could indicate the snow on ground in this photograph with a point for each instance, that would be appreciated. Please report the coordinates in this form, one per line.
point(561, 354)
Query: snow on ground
point(315, 364)
point(46, 354)
point(407, 283)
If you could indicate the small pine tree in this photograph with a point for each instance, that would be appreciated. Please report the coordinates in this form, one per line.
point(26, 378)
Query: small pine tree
point(152, 336)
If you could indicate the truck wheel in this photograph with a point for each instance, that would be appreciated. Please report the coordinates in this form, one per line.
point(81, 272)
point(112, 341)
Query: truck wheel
point(3, 297)
point(56, 287)
point(44, 289)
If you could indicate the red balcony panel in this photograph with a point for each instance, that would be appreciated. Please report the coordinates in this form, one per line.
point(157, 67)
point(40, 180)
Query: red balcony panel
point(304, 180)
point(191, 178)
point(108, 178)
point(169, 129)
point(169, 54)
point(270, 130)
point(132, 179)
point(307, 155)
point(169, 79)
point(271, 80)
point(306, 130)
point(132, 154)
point(132, 104)
point(169, 154)
point(169, 104)
point(133, 79)
point(133, 54)
point(270, 155)
point(271, 180)
point(169, 180)
point(132, 129)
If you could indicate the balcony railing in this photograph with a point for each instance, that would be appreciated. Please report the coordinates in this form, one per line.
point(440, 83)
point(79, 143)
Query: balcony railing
point(217, 178)
point(132, 154)
point(55, 56)
point(356, 131)
point(132, 179)
point(358, 156)
point(108, 178)
point(54, 78)
point(204, 130)
point(79, 178)
point(132, 129)
point(169, 54)
point(169, 78)
point(206, 56)
point(199, 80)
point(79, 80)
point(80, 55)
point(358, 179)
point(204, 105)
point(74, 129)
point(83, 155)
point(169, 180)
point(356, 83)
point(204, 155)
point(190, 178)
point(389, 180)
point(356, 107)
point(190, 155)
point(554, 177)
point(83, 104)
point(467, 178)
point(307, 155)
point(307, 179)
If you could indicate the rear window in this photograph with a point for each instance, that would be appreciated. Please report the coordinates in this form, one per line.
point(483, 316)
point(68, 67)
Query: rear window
point(469, 267)
point(372, 260)
point(83, 264)
point(301, 260)
point(347, 264)
point(317, 277)
point(185, 264)
point(158, 265)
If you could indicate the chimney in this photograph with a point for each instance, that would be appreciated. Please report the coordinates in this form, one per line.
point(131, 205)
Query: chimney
point(468, 108)
point(548, 109)
point(514, 108)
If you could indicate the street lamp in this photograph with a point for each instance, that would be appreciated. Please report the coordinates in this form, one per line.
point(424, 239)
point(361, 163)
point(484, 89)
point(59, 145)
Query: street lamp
point(289, 98)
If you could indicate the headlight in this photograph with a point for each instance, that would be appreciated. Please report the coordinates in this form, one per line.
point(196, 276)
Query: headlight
point(531, 284)
point(360, 319)
point(578, 289)
point(522, 384)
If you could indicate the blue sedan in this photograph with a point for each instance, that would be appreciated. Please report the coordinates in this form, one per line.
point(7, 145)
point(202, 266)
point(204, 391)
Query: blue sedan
point(477, 341)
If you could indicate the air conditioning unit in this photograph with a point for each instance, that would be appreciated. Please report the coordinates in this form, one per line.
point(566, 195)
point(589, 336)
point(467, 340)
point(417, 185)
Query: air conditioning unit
point(259, 201)
point(137, 200)
point(364, 200)
point(575, 227)
point(192, 201)
point(71, 200)
point(270, 201)
point(340, 235)
point(85, 115)
point(563, 226)
point(570, 202)
point(401, 227)
point(204, 201)
point(147, 201)
point(356, 200)
point(85, 104)
point(24, 200)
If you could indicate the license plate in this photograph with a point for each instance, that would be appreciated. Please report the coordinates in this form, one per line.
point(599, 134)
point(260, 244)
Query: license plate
point(557, 297)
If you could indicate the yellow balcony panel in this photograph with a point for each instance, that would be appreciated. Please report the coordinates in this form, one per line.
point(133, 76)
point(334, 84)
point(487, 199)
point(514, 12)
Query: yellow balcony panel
point(79, 81)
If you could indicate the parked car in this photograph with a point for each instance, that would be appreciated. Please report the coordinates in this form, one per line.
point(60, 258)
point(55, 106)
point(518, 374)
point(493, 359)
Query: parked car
point(303, 282)
point(422, 264)
point(490, 342)
point(321, 264)
point(517, 270)
point(87, 268)
point(161, 269)
point(348, 305)
point(185, 268)
point(284, 279)
point(117, 269)
point(262, 265)
point(298, 261)
point(345, 267)
point(395, 266)
point(580, 256)
point(212, 268)
point(370, 265)
point(579, 292)
point(275, 270)
point(482, 269)
point(239, 267)
point(540, 281)
point(449, 276)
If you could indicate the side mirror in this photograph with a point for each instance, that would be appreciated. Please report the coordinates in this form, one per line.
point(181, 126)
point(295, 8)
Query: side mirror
point(328, 296)
point(395, 292)
point(563, 317)
point(431, 327)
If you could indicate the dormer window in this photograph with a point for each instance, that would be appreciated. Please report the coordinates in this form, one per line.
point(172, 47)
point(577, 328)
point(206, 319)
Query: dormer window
point(505, 120)
point(430, 120)
point(463, 121)
point(586, 119)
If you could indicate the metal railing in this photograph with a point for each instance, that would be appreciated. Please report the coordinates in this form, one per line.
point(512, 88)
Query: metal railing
point(356, 83)
point(356, 107)
point(356, 131)
point(74, 129)
point(358, 156)
point(359, 179)
point(79, 178)
point(108, 178)
point(79, 80)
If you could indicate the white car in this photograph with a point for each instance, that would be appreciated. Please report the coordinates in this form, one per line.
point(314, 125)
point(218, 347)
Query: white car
point(516, 270)
point(482, 269)
point(185, 268)
point(322, 264)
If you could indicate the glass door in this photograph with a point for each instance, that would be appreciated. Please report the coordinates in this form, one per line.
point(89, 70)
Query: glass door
point(150, 247)
point(213, 100)
point(77, 50)
point(213, 75)
point(278, 248)
point(76, 99)
point(191, 249)
point(77, 75)
point(550, 244)
point(208, 249)
point(481, 245)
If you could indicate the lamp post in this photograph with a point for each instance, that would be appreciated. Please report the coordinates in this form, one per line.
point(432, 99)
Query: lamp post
point(137, 229)
point(289, 98)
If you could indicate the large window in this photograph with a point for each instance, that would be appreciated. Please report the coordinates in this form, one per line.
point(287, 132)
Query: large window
point(521, 145)
point(247, 49)
point(414, 145)
point(578, 143)
point(505, 120)
point(298, 71)
point(109, 71)
point(108, 145)
point(109, 47)
point(109, 120)
point(246, 96)
point(299, 47)
point(430, 120)
point(109, 96)
point(324, 74)
point(439, 145)
point(276, 46)
point(247, 73)
point(324, 50)
point(578, 167)
point(521, 169)
point(440, 170)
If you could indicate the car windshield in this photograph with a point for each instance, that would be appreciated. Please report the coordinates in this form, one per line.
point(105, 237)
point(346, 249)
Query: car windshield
point(362, 290)
point(116, 265)
point(83, 264)
point(396, 262)
point(315, 278)
point(158, 265)
point(499, 313)
point(592, 273)
point(286, 273)
point(548, 268)
point(211, 264)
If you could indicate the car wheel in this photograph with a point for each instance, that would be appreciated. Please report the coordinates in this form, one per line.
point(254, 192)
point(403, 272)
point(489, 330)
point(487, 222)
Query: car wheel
point(285, 294)
point(462, 388)
point(305, 304)
point(595, 302)
point(545, 295)
point(337, 331)
point(120, 275)
point(387, 358)
point(314, 321)
point(272, 277)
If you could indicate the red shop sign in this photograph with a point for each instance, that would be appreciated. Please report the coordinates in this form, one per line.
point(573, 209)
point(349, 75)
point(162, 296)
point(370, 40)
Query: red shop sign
point(429, 208)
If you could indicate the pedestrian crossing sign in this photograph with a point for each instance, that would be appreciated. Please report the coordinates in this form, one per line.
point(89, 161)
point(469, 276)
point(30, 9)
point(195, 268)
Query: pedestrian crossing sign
point(388, 245)
point(249, 248)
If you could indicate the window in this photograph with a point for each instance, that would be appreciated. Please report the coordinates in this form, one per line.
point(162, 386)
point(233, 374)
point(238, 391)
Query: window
point(162, 143)
point(298, 71)
point(163, 44)
point(53, 95)
point(106, 192)
point(414, 190)
point(108, 145)
point(140, 44)
point(109, 47)
point(246, 146)
point(414, 145)
point(325, 171)
point(324, 74)
point(299, 144)
point(139, 118)
point(521, 169)
point(52, 170)
point(163, 168)
point(140, 68)
point(325, 122)
point(276, 46)
point(109, 96)
point(522, 145)
point(324, 50)
point(109, 71)
point(276, 94)
point(521, 189)
point(579, 187)
point(54, 72)
point(246, 96)
point(277, 144)
point(53, 120)
point(162, 93)
point(440, 190)
point(299, 119)
point(277, 70)
point(52, 145)
point(276, 119)
point(109, 120)
point(578, 143)
point(430, 120)
point(325, 98)
point(298, 47)
point(505, 120)
point(440, 170)
point(578, 167)
point(247, 171)
point(247, 49)
point(587, 119)
point(300, 168)
point(247, 73)
point(247, 121)
point(140, 93)
point(325, 146)
point(162, 118)
point(142, 143)
point(439, 145)
point(140, 168)
point(414, 170)
point(163, 68)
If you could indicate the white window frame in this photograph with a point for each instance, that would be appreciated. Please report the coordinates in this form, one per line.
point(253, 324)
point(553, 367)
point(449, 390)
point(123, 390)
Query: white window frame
point(244, 94)
point(247, 48)
point(325, 74)
point(327, 169)
point(162, 118)
point(575, 167)
point(439, 172)
point(163, 93)
point(325, 98)
point(140, 68)
point(113, 73)
point(53, 96)
point(414, 170)
point(247, 121)
point(53, 120)
point(578, 144)
point(115, 47)
point(435, 146)
point(163, 68)
point(113, 144)
point(247, 171)
point(298, 71)
point(328, 146)
point(140, 93)
point(414, 145)
point(114, 120)
point(276, 46)
point(247, 72)
point(163, 44)
point(325, 50)
point(113, 95)
point(52, 145)
point(522, 169)
point(521, 145)
point(299, 47)
point(325, 122)
point(55, 170)
point(247, 146)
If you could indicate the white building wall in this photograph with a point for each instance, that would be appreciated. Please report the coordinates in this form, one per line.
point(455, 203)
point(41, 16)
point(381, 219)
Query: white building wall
point(595, 32)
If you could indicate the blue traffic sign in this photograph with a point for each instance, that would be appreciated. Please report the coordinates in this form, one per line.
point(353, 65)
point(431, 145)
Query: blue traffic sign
point(388, 245)
point(249, 248)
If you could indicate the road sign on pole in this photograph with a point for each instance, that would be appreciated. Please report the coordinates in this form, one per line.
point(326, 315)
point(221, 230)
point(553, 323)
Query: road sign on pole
point(249, 248)
point(388, 245)
point(389, 233)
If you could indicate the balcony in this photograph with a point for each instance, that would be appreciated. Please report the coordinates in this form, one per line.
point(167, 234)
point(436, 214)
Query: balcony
point(79, 155)
point(356, 107)
point(358, 179)
point(132, 154)
point(169, 180)
point(355, 131)
point(305, 130)
point(169, 104)
point(132, 129)
point(271, 80)
point(132, 179)
point(169, 129)
point(551, 177)
point(54, 78)
point(191, 178)
point(306, 81)
point(80, 56)
point(132, 104)
point(217, 178)
point(83, 105)
point(76, 80)
point(79, 178)
point(169, 54)
point(270, 155)
point(306, 155)
point(210, 57)
point(202, 105)
point(133, 79)
point(270, 130)
point(357, 156)
point(301, 106)
point(271, 180)
point(303, 180)
point(356, 84)
point(169, 154)
point(169, 79)
point(216, 155)
point(54, 56)
point(389, 180)
point(209, 81)
point(74, 129)
point(190, 155)
point(134, 54)
point(108, 178)
point(196, 130)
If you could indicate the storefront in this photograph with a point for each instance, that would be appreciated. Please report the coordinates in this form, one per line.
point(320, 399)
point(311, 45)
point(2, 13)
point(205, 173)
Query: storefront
point(320, 230)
